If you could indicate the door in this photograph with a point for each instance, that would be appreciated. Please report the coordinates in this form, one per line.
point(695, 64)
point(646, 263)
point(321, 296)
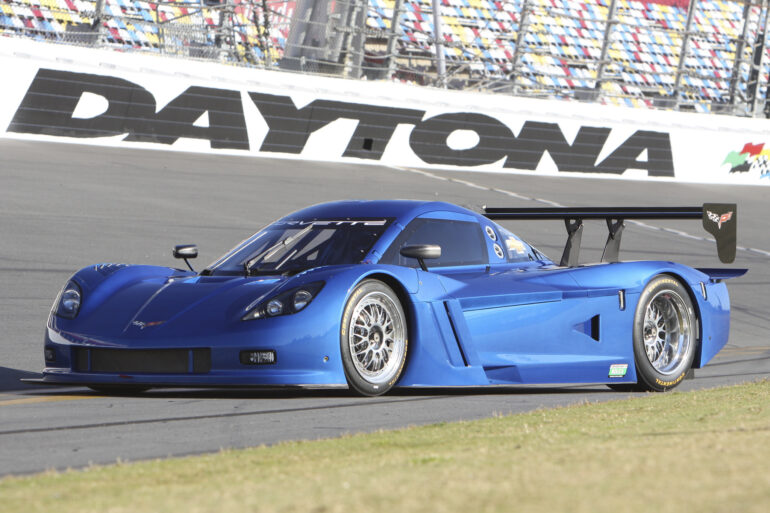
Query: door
point(521, 320)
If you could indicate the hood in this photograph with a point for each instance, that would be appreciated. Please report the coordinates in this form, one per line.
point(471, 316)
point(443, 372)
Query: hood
point(175, 306)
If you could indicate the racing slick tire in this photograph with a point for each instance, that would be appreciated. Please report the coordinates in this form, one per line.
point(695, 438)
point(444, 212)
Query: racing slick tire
point(665, 336)
point(373, 338)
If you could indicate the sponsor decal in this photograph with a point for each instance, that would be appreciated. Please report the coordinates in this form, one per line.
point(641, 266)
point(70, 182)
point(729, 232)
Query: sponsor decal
point(670, 383)
point(719, 219)
point(338, 222)
point(49, 108)
point(618, 370)
point(108, 269)
point(514, 245)
point(753, 159)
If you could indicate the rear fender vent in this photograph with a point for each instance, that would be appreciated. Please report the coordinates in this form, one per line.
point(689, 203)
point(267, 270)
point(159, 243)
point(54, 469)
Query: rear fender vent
point(589, 327)
point(595, 327)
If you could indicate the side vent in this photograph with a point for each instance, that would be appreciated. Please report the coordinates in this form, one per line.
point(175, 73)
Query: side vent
point(454, 332)
point(595, 327)
point(589, 327)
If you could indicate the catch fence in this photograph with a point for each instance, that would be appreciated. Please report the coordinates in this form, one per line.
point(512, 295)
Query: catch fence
point(700, 55)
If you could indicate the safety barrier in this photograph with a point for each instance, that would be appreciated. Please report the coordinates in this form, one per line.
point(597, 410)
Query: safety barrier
point(99, 97)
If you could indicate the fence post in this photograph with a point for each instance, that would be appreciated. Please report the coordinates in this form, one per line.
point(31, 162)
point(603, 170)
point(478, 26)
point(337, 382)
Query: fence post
point(360, 46)
point(98, 15)
point(740, 47)
point(439, 43)
point(608, 27)
point(520, 35)
point(266, 34)
point(395, 33)
point(685, 49)
point(758, 62)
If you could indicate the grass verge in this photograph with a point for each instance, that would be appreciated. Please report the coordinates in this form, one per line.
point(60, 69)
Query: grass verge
point(705, 451)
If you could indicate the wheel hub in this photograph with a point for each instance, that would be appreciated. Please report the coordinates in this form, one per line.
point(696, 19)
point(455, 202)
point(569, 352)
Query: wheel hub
point(375, 338)
point(649, 333)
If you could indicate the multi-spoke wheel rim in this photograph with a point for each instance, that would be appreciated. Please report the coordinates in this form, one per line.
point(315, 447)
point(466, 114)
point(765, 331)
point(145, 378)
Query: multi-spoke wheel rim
point(377, 338)
point(667, 332)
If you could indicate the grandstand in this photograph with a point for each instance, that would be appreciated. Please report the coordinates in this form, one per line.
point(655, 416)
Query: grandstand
point(234, 30)
point(702, 55)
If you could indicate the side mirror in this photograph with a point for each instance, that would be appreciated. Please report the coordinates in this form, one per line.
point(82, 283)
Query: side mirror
point(422, 252)
point(186, 251)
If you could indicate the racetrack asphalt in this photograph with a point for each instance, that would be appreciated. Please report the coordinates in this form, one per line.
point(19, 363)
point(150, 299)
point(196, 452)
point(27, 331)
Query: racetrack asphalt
point(65, 206)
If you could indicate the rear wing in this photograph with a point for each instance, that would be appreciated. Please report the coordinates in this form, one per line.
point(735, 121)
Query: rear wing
point(719, 219)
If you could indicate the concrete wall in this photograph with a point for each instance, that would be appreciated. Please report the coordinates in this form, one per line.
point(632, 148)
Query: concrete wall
point(102, 97)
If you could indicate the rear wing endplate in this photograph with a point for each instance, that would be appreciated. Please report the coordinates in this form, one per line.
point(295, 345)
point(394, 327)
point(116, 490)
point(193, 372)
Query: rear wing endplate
point(719, 219)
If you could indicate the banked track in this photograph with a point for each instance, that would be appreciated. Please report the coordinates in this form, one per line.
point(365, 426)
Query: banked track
point(65, 206)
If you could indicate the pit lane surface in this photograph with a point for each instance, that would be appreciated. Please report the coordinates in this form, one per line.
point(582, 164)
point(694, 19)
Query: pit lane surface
point(65, 206)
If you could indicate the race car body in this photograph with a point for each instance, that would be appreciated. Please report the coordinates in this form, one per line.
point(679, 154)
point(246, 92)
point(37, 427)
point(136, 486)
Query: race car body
point(377, 294)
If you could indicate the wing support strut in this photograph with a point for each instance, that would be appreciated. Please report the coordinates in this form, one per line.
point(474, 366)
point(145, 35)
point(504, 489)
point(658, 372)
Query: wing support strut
point(612, 246)
point(571, 254)
point(719, 219)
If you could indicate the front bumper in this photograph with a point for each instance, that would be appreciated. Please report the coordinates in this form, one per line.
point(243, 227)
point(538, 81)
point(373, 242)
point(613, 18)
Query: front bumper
point(74, 359)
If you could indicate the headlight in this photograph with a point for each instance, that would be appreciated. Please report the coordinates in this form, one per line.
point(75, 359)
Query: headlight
point(288, 302)
point(301, 299)
point(274, 307)
point(69, 301)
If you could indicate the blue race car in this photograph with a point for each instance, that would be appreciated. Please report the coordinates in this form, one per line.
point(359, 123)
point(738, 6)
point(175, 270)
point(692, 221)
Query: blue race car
point(383, 294)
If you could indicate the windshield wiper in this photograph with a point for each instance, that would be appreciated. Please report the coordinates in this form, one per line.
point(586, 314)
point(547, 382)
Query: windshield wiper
point(266, 253)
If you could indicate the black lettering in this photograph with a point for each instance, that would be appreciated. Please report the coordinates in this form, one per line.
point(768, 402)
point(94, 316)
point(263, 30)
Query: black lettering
point(289, 127)
point(660, 161)
point(51, 99)
point(429, 139)
point(227, 125)
point(536, 138)
point(53, 96)
point(375, 126)
point(50, 102)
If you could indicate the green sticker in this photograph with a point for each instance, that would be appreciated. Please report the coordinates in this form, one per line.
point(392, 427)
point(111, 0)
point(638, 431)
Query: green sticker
point(618, 370)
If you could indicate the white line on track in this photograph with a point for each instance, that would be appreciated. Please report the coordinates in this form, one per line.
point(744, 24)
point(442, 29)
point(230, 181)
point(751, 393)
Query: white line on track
point(550, 203)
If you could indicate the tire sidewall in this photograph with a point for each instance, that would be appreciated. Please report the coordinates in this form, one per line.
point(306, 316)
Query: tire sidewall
point(647, 376)
point(354, 379)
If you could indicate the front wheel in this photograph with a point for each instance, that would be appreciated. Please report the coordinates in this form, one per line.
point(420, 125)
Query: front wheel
point(665, 336)
point(373, 338)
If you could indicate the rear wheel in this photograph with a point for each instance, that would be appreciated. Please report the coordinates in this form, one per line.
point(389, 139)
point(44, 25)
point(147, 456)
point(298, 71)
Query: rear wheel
point(665, 336)
point(373, 338)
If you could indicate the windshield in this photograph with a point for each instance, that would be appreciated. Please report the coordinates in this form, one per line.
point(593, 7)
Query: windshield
point(290, 247)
